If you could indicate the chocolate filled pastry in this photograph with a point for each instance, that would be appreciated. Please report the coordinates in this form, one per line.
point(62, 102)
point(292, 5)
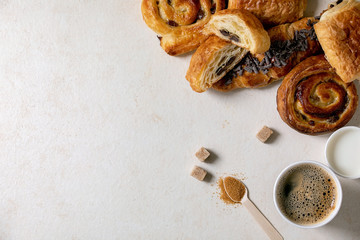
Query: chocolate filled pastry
point(338, 32)
point(211, 61)
point(272, 12)
point(290, 44)
point(241, 28)
point(179, 23)
point(313, 99)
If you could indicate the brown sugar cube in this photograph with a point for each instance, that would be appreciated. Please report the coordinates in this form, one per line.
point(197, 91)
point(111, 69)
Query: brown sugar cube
point(202, 154)
point(264, 134)
point(198, 173)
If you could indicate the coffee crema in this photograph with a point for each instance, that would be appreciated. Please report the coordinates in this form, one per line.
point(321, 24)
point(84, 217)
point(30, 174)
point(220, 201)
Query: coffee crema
point(307, 194)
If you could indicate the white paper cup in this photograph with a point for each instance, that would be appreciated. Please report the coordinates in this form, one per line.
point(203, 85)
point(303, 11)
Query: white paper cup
point(342, 152)
point(338, 199)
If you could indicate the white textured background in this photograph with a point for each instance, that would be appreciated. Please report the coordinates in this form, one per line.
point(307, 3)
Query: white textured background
point(98, 128)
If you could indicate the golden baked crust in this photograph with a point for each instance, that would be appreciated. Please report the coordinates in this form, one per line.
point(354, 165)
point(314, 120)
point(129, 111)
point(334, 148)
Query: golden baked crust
point(211, 61)
point(241, 28)
point(313, 99)
point(256, 80)
point(338, 32)
point(179, 23)
point(272, 12)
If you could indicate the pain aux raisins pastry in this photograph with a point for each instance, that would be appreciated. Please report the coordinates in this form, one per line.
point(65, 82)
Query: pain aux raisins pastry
point(290, 44)
point(272, 12)
point(241, 28)
point(313, 99)
point(338, 32)
point(179, 23)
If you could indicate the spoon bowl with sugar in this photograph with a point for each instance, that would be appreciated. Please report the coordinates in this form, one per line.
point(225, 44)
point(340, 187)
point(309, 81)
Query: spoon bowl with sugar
point(237, 192)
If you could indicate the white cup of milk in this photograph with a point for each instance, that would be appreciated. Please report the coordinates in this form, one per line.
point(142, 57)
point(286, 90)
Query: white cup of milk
point(342, 152)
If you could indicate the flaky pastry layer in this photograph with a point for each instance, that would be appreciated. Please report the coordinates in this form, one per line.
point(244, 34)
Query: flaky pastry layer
point(241, 28)
point(272, 12)
point(211, 61)
point(338, 32)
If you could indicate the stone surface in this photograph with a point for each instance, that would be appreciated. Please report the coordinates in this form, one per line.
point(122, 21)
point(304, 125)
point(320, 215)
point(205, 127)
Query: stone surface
point(98, 127)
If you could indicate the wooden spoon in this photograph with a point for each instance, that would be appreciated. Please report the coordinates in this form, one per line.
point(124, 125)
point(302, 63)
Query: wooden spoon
point(237, 192)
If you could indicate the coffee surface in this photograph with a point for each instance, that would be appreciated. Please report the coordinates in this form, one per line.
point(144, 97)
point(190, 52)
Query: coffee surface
point(307, 194)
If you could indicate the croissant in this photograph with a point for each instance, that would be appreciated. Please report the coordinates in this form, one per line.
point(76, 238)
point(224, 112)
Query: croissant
point(241, 28)
point(313, 99)
point(272, 12)
point(290, 44)
point(179, 23)
point(338, 32)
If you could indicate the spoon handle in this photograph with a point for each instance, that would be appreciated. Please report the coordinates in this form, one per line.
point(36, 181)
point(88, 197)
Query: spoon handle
point(268, 228)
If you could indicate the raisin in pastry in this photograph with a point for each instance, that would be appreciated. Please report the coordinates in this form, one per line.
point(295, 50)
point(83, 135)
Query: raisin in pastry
point(179, 23)
point(313, 99)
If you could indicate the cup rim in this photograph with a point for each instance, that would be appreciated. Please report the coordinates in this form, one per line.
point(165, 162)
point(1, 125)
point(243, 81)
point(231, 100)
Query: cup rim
point(332, 136)
point(338, 200)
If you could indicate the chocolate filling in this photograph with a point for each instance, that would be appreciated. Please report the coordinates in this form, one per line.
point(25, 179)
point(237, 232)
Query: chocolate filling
point(230, 61)
point(225, 32)
point(222, 68)
point(337, 3)
point(234, 38)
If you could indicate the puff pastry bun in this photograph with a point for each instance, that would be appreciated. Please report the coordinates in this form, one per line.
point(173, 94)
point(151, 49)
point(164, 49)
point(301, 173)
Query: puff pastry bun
point(313, 99)
point(211, 61)
point(338, 32)
point(241, 28)
point(272, 12)
point(179, 23)
point(283, 38)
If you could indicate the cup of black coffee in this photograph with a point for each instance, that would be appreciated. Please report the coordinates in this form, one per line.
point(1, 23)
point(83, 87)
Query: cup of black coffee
point(307, 194)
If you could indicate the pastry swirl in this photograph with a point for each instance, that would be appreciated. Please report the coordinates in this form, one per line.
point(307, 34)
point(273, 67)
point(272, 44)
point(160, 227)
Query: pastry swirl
point(313, 99)
point(179, 23)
